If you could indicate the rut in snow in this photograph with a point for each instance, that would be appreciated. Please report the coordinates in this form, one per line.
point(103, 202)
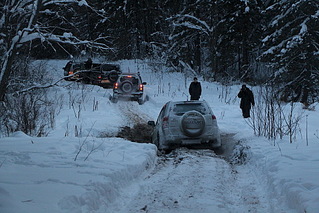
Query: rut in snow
point(196, 181)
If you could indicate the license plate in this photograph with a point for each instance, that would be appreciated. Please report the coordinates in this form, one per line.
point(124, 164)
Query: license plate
point(191, 141)
point(105, 81)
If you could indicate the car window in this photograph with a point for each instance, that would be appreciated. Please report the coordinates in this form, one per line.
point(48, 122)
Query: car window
point(180, 109)
point(135, 81)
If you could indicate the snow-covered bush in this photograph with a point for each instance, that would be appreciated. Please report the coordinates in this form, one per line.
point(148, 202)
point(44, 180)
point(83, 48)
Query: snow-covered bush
point(240, 154)
point(273, 118)
point(29, 108)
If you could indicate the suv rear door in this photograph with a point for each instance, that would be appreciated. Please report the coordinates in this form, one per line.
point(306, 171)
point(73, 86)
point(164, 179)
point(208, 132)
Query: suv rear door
point(200, 114)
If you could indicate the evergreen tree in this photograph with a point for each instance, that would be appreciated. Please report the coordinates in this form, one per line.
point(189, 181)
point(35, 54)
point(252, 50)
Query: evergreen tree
point(221, 35)
point(292, 46)
point(190, 32)
point(130, 26)
point(238, 31)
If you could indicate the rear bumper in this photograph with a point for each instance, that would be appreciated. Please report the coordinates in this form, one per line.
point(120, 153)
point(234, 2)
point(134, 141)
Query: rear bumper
point(72, 77)
point(212, 141)
point(129, 95)
point(103, 83)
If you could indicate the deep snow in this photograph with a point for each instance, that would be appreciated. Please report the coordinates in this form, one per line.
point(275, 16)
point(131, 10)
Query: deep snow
point(42, 175)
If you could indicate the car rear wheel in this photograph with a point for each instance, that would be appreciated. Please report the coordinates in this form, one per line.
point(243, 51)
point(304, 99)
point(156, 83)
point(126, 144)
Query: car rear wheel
point(140, 101)
point(156, 142)
point(160, 147)
point(192, 124)
point(114, 99)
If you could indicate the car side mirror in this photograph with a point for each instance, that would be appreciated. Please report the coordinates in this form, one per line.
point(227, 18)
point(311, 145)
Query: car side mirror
point(151, 123)
point(144, 83)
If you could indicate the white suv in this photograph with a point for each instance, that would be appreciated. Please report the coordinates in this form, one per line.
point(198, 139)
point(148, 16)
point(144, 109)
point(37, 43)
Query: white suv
point(186, 123)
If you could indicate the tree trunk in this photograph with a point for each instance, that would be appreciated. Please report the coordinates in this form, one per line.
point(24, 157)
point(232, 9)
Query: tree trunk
point(5, 73)
point(9, 54)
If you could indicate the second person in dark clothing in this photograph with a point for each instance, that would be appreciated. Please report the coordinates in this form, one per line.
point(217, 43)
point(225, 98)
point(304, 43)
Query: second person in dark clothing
point(247, 99)
point(88, 64)
point(195, 90)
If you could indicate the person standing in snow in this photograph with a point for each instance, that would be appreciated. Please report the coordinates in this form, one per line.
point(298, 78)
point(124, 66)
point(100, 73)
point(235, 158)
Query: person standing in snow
point(195, 89)
point(88, 64)
point(247, 99)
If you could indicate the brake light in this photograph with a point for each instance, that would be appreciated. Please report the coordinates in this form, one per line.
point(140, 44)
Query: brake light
point(141, 87)
point(165, 122)
point(70, 73)
point(99, 77)
point(116, 85)
point(214, 117)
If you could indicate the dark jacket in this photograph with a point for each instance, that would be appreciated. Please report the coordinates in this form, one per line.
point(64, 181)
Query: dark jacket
point(195, 90)
point(88, 64)
point(247, 98)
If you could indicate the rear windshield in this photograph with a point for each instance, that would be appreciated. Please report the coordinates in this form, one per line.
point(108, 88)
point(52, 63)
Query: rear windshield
point(180, 109)
point(129, 78)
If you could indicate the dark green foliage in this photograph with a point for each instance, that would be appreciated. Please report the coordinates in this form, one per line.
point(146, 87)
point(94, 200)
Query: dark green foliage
point(291, 46)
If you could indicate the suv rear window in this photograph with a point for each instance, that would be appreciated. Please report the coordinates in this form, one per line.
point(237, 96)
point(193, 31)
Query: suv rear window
point(180, 109)
point(129, 78)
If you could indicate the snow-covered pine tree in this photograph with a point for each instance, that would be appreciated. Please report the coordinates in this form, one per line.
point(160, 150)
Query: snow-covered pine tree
point(238, 32)
point(220, 34)
point(190, 34)
point(291, 46)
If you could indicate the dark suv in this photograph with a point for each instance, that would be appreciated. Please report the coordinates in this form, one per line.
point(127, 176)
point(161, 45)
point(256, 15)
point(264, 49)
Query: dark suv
point(129, 86)
point(104, 75)
point(70, 70)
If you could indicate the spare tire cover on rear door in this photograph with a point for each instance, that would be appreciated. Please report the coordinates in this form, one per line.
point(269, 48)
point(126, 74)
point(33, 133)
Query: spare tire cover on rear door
point(192, 123)
point(113, 76)
point(126, 87)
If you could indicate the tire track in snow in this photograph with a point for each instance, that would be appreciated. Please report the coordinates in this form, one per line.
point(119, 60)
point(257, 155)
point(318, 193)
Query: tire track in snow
point(196, 181)
point(132, 113)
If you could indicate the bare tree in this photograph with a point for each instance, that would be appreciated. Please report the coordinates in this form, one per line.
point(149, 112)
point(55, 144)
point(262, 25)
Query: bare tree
point(32, 111)
point(23, 22)
point(272, 118)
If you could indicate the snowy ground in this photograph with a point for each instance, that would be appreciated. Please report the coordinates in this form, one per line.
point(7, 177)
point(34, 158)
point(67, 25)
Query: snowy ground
point(97, 172)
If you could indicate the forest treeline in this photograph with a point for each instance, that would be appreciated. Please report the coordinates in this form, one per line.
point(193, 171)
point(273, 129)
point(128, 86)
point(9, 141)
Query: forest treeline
point(269, 42)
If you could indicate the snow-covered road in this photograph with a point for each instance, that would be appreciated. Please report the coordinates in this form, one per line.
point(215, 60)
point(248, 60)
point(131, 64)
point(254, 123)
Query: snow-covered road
point(195, 181)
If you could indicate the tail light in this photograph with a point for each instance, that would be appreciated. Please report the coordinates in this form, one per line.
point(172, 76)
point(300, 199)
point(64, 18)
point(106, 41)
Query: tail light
point(165, 122)
point(116, 85)
point(70, 73)
point(99, 77)
point(141, 87)
point(214, 117)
